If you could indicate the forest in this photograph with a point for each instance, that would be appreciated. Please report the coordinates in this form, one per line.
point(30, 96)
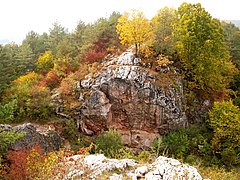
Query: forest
point(204, 50)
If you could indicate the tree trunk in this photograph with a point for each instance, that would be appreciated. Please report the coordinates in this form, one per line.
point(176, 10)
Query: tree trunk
point(136, 48)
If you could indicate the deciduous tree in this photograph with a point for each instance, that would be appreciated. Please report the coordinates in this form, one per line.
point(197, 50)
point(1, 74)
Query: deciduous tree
point(134, 29)
point(163, 26)
point(205, 59)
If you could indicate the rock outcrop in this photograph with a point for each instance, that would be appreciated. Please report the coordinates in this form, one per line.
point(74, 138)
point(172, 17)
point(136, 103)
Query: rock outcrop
point(47, 140)
point(136, 101)
point(98, 166)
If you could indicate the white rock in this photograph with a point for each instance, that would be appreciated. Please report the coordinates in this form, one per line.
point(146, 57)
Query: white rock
point(92, 160)
point(141, 171)
point(116, 177)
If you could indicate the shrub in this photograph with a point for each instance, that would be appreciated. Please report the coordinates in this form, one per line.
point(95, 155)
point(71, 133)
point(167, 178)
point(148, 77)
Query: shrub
point(51, 80)
point(187, 144)
point(68, 85)
point(32, 164)
point(38, 106)
point(41, 166)
point(108, 143)
point(45, 62)
point(224, 119)
point(123, 153)
point(1, 168)
point(65, 65)
point(175, 144)
point(144, 156)
point(8, 138)
point(7, 111)
point(32, 98)
point(70, 131)
point(18, 164)
point(93, 56)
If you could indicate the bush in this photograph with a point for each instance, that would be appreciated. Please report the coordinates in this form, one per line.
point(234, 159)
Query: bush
point(224, 119)
point(51, 79)
point(8, 138)
point(1, 168)
point(18, 164)
point(145, 156)
point(45, 62)
point(70, 131)
point(108, 143)
point(93, 56)
point(32, 164)
point(7, 111)
point(32, 99)
point(186, 144)
point(174, 144)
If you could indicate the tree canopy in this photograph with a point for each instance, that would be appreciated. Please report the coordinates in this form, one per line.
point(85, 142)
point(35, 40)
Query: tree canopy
point(134, 29)
point(163, 26)
point(200, 45)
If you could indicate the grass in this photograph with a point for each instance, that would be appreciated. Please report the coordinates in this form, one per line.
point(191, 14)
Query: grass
point(215, 173)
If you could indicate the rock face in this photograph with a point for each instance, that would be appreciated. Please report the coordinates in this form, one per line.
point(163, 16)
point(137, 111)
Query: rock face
point(162, 168)
point(48, 141)
point(136, 101)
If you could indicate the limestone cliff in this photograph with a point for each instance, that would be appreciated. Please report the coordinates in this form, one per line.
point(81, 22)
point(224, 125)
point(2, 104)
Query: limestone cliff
point(136, 101)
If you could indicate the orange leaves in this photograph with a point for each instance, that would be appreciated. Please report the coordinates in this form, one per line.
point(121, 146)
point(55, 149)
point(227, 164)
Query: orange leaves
point(52, 80)
point(19, 160)
point(68, 85)
point(33, 164)
point(85, 150)
point(27, 79)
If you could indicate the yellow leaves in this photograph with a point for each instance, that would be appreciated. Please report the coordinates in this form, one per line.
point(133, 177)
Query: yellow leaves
point(68, 85)
point(27, 79)
point(41, 166)
point(1, 167)
point(163, 61)
point(45, 61)
point(225, 122)
point(134, 28)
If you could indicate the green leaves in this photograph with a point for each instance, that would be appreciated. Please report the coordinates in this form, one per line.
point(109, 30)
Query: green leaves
point(108, 143)
point(225, 122)
point(200, 45)
point(9, 137)
point(163, 24)
point(7, 111)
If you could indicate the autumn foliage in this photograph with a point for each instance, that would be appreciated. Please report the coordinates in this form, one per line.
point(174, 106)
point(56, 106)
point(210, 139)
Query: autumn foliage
point(32, 97)
point(18, 168)
point(51, 79)
point(93, 56)
point(33, 163)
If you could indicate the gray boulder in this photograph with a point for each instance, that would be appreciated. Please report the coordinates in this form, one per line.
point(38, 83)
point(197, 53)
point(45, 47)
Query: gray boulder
point(48, 140)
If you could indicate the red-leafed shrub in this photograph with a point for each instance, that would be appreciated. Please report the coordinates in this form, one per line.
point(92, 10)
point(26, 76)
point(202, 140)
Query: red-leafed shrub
point(52, 80)
point(18, 163)
point(92, 56)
